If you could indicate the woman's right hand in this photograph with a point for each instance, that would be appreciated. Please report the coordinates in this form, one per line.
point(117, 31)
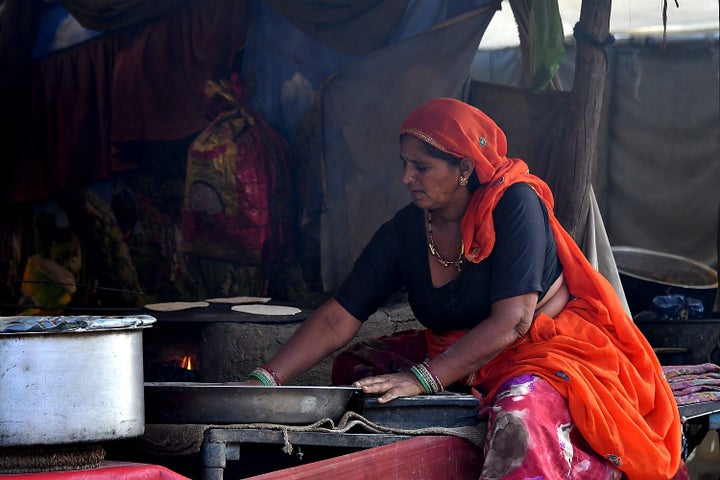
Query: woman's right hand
point(391, 386)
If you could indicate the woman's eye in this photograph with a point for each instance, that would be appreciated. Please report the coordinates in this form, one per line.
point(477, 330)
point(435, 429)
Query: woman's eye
point(417, 166)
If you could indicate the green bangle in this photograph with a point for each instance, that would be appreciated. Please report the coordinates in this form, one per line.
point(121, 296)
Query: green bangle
point(266, 376)
point(258, 376)
point(421, 379)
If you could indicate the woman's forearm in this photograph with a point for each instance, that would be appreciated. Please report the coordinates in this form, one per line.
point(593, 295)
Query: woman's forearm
point(325, 331)
point(508, 321)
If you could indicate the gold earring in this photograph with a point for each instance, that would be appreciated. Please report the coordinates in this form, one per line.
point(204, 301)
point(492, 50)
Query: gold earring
point(462, 181)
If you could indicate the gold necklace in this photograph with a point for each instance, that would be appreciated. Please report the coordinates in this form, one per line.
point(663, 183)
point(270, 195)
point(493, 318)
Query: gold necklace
point(457, 263)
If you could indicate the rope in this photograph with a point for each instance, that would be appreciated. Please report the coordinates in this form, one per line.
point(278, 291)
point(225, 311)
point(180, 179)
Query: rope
point(584, 36)
point(474, 434)
point(50, 459)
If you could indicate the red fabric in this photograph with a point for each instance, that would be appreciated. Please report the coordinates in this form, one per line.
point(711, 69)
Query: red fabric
point(159, 77)
point(379, 356)
point(108, 471)
point(592, 352)
point(682, 473)
point(427, 458)
point(144, 83)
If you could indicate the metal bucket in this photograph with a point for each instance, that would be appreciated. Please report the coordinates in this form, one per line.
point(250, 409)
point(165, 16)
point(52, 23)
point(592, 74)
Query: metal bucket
point(71, 387)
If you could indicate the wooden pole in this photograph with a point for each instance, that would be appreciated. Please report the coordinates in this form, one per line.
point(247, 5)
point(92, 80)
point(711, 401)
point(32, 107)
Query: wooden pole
point(575, 146)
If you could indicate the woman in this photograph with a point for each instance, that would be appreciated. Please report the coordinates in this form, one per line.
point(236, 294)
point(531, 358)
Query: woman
point(569, 386)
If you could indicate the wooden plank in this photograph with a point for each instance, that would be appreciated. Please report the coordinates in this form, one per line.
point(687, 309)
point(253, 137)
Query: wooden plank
point(426, 457)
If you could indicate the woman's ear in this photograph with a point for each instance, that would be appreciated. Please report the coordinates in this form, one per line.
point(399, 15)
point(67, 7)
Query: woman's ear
point(467, 167)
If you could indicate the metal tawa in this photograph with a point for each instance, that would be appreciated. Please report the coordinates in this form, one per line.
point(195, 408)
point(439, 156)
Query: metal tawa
point(218, 403)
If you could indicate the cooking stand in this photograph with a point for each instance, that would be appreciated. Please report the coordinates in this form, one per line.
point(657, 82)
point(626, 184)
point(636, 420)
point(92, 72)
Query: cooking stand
point(221, 445)
point(697, 420)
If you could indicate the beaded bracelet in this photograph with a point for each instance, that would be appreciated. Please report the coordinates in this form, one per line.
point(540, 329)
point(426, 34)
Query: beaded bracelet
point(429, 381)
point(272, 374)
point(435, 377)
point(266, 376)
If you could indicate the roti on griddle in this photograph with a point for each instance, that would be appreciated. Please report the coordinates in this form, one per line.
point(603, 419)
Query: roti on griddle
point(266, 309)
point(238, 300)
point(174, 306)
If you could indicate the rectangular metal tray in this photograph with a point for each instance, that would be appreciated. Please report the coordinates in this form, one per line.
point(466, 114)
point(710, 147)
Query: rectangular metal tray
point(422, 411)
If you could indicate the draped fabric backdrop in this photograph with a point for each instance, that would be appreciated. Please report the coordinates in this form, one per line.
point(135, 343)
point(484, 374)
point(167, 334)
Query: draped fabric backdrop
point(142, 82)
point(363, 107)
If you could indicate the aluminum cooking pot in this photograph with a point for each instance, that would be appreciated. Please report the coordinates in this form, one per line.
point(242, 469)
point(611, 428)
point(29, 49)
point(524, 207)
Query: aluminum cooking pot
point(71, 386)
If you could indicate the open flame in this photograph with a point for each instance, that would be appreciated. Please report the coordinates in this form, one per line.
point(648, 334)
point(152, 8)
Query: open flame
point(187, 362)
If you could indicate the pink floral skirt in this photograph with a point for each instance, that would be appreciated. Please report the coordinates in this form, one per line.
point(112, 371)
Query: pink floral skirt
point(532, 437)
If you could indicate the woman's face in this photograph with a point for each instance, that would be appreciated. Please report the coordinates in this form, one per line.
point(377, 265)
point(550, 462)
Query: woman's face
point(433, 182)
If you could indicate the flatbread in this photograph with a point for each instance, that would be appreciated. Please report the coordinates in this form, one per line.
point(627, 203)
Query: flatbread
point(239, 300)
point(266, 309)
point(174, 306)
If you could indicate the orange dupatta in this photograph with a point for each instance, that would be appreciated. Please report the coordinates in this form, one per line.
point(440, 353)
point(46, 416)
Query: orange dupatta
point(592, 352)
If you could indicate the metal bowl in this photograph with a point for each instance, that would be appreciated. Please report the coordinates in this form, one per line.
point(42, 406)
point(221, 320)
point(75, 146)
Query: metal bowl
point(218, 403)
point(646, 274)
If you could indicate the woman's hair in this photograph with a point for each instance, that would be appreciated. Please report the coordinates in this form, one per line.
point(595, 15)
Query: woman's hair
point(473, 182)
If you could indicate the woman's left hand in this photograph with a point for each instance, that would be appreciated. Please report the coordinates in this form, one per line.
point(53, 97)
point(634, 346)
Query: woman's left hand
point(391, 386)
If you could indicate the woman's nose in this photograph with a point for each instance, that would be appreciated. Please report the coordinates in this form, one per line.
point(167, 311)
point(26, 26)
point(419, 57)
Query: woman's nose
point(408, 176)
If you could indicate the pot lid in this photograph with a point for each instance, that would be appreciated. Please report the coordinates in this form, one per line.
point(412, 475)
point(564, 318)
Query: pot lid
point(77, 323)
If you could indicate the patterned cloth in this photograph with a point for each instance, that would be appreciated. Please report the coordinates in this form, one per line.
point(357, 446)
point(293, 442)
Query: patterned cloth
point(531, 436)
point(694, 383)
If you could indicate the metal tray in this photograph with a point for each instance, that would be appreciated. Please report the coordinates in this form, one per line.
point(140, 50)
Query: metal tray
point(218, 403)
point(422, 411)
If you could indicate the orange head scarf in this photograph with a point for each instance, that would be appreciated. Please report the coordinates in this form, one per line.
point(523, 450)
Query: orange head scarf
point(464, 131)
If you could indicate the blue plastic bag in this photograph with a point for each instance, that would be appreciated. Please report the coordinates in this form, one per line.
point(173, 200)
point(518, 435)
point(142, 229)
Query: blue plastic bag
point(677, 307)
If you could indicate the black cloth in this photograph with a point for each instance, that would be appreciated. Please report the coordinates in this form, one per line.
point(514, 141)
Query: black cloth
point(350, 26)
point(523, 260)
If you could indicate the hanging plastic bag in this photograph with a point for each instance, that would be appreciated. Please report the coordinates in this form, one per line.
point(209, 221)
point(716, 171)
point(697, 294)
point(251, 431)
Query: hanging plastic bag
point(238, 203)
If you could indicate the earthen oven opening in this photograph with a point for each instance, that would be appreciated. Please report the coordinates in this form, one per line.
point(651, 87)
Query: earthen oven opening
point(171, 352)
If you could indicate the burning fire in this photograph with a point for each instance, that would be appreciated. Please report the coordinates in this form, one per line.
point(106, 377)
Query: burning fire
point(187, 362)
